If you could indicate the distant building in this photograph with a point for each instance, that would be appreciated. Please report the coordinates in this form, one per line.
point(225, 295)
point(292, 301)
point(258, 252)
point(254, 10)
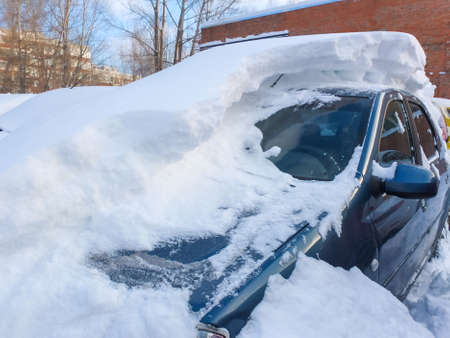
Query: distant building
point(427, 20)
point(107, 76)
point(40, 64)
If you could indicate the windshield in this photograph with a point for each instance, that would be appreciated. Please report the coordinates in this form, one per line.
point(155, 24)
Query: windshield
point(316, 140)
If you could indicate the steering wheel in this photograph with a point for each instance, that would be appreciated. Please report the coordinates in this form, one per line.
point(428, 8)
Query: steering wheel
point(327, 159)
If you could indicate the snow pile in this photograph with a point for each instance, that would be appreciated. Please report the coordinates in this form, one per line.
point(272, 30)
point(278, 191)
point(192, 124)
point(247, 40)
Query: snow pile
point(176, 154)
point(319, 300)
point(29, 127)
point(429, 300)
point(385, 173)
point(10, 101)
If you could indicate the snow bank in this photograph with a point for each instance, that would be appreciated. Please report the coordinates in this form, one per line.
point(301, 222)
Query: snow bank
point(92, 171)
point(319, 300)
point(10, 101)
point(429, 300)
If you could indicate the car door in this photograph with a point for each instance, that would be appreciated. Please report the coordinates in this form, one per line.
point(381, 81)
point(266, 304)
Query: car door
point(432, 213)
point(396, 220)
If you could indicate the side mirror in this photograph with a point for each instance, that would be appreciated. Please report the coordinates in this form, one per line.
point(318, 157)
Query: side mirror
point(412, 181)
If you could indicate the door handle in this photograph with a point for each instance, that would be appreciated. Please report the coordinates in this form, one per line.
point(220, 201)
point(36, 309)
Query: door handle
point(374, 265)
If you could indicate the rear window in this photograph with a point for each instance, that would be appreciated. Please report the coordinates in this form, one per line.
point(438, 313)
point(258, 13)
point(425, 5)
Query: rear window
point(316, 140)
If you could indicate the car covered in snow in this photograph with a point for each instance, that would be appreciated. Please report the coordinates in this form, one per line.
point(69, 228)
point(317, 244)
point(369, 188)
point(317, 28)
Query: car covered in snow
point(253, 189)
point(390, 224)
point(394, 217)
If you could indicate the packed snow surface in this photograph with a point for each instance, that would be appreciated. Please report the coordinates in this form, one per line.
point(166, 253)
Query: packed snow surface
point(92, 171)
point(10, 101)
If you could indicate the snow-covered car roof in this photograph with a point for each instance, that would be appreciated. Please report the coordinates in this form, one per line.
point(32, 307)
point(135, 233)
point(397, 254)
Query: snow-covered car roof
point(10, 101)
point(202, 87)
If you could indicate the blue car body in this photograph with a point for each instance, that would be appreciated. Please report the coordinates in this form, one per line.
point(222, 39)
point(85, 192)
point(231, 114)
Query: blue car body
point(390, 226)
point(388, 237)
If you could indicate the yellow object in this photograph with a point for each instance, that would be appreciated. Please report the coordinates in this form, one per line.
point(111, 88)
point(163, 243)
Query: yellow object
point(444, 107)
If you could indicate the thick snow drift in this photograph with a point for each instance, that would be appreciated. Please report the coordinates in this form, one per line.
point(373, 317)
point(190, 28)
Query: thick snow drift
point(90, 172)
point(321, 301)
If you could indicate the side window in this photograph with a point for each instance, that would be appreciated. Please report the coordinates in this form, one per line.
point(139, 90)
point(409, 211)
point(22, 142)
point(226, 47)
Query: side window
point(395, 144)
point(424, 129)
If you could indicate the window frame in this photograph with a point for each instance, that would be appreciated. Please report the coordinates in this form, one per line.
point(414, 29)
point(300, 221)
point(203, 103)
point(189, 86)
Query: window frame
point(437, 140)
point(406, 113)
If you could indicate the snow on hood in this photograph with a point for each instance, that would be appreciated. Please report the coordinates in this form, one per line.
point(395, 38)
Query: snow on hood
point(173, 155)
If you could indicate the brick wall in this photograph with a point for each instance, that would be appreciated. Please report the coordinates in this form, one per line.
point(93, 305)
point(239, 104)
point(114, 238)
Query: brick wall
point(427, 20)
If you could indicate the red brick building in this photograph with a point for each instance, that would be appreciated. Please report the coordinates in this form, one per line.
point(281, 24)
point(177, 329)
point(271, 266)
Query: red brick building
point(427, 20)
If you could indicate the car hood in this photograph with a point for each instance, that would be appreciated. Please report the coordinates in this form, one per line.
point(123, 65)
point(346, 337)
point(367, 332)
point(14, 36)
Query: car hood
point(179, 263)
point(188, 263)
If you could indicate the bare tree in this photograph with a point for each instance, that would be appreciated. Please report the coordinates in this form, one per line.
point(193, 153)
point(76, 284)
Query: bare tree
point(207, 10)
point(166, 31)
point(180, 33)
point(20, 18)
point(200, 18)
point(148, 31)
point(73, 25)
point(51, 43)
point(133, 60)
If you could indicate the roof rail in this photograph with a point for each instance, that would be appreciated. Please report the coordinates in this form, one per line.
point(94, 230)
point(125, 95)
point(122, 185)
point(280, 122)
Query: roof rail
point(212, 44)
